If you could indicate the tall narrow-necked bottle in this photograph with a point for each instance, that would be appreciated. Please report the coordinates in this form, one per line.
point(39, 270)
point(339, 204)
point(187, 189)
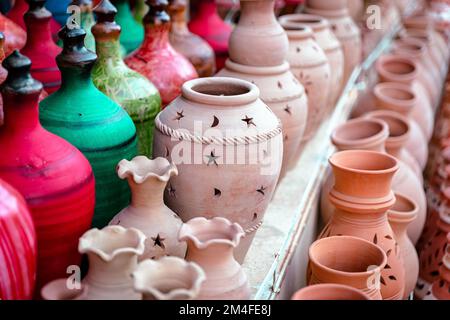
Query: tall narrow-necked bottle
point(130, 89)
point(133, 34)
point(157, 59)
point(92, 122)
point(87, 21)
point(140, 9)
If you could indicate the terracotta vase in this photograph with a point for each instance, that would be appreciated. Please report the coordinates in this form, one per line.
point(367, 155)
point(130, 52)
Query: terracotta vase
point(237, 123)
point(156, 58)
point(113, 256)
point(133, 34)
point(210, 245)
point(131, 90)
point(328, 42)
point(374, 135)
point(168, 278)
point(348, 261)
point(327, 291)
point(345, 30)
point(401, 69)
point(95, 124)
point(362, 195)
point(19, 250)
point(15, 36)
point(38, 167)
point(58, 8)
point(207, 23)
point(192, 46)
point(147, 211)
point(40, 47)
point(433, 250)
point(310, 66)
point(440, 289)
point(401, 98)
point(402, 214)
point(87, 21)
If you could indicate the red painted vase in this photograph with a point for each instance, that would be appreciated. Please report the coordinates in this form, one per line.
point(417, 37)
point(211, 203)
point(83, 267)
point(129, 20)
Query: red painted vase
point(55, 179)
point(157, 59)
point(15, 36)
point(209, 25)
point(40, 47)
point(18, 246)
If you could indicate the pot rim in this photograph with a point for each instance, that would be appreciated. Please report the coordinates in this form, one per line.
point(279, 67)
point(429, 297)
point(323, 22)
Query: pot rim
point(327, 286)
point(297, 30)
point(402, 215)
point(393, 141)
point(396, 58)
point(392, 169)
point(332, 14)
point(256, 70)
point(379, 92)
point(400, 46)
point(130, 169)
point(315, 22)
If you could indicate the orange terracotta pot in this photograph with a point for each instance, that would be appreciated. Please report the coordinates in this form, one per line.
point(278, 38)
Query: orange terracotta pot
point(328, 291)
point(440, 289)
point(348, 261)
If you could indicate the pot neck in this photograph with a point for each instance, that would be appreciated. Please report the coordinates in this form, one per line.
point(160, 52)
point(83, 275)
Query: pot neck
point(109, 51)
point(111, 273)
point(262, 11)
point(149, 194)
point(157, 26)
point(178, 18)
point(21, 112)
point(76, 79)
point(400, 227)
point(38, 32)
point(212, 256)
point(357, 219)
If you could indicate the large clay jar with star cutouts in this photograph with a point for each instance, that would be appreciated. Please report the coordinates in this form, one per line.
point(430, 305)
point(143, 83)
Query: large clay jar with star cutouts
point(217, 132)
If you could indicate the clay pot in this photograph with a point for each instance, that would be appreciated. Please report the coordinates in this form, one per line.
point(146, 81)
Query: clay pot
point(156, 59)
point(396, 68)
point(258, 31)
point(113, 256)
point(131, 90)
point(147, 211)
point(402, 214)
point(284, 95)
point(327, 5)
point(356, 9)
point(133, 34)
point(328, 42)
point(402, 99)
point(207, 23)
point(87, 21)
point(362, 195)
point(94, 124)
point(55, 179)
point(40, 47)
point(19, 250)
point(192, 46)
point(235, 122)
point(211, 244)
point(348, 261)
point(310, 66)
point(440, 289)
point(327, 291)
point(15, 36)
point(347, 33)
point(168, 278)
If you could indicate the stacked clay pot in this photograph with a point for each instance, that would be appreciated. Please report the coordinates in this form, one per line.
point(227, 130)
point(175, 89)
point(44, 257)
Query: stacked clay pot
point(343, 27)
point(259, 31)
point(331, 46)
point(201, 132)
point(362, 195)
point(156, 58)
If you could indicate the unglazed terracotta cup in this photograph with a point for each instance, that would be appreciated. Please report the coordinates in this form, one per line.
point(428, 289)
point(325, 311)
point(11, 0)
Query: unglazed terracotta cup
point(329, 291)
point(347, 261)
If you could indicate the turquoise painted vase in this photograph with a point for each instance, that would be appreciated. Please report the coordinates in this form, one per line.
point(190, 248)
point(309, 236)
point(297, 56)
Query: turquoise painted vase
point(96, 125)
point(133, 34)
point(137, 95)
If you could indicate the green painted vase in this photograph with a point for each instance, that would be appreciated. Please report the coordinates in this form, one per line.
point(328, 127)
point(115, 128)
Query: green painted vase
point(137, 95)
point(140, 10)
point(133, 34)
point(86, 21)
point(96, 125)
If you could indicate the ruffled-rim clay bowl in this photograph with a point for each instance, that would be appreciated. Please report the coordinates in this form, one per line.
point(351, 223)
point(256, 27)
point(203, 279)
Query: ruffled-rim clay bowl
point(141, 168)
point(395, 96)
point(329, 291)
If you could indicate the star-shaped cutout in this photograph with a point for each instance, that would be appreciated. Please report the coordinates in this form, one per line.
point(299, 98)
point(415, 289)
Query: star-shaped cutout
point(249, 121)
point(179, 115)
point(288, 109)
point(262, 190)
point(159, 241)
point(212, 159)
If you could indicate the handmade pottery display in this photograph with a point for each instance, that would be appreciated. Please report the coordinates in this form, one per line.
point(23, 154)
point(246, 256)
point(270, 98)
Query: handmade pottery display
point(52, 175)
point(329, 291)
point(19, 250)
point(168, 278)
point(147, 211)
point(192, 46)
point(362, 195)
point(344, 28)
point(328, 42)
point(440, 289)
point(348, 261)
point(236, 122)
point(129, 89)
point(15, 36)
point(58, 8)
point(40, 47)
point(156, 58)
point(210, 245)
point(87, 21)
point(133, 32)
point(113, 256)
point(96, 125)
point(403, 213)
